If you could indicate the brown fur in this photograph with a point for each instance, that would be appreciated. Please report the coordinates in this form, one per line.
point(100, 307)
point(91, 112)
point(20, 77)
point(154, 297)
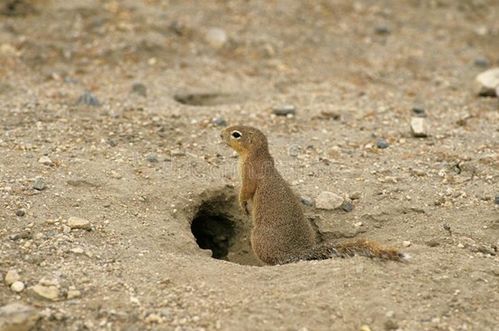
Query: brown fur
point(280, 233)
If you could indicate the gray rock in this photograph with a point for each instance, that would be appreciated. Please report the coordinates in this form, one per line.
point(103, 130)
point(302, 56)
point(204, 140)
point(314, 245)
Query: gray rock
point(294, 150)
point(140, 89)
point(78, 223)
point(88, 99)
point(20, 212)
point(328, 200)
point(39, 184)
point(284, 110)
point(18, 317)
point(347, 205)
point(26, 234)
point(11, 277)
point(307, 201)
point(50, 293)
point(419, 127)
point(382, 143)
point(488, 82)
point(151, 157)
point(497, 199)
point(481, 62)
point(219, 121)
point(216, 37)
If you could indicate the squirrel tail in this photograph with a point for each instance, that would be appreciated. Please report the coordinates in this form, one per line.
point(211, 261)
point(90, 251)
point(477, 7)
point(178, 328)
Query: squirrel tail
point(360, 247)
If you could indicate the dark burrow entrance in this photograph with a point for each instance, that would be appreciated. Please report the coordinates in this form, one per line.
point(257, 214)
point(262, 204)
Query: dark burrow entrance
point(213, 232)
point(219, 226)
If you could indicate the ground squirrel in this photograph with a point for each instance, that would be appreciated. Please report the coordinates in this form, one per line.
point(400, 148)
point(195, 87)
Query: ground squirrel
point(280, 232)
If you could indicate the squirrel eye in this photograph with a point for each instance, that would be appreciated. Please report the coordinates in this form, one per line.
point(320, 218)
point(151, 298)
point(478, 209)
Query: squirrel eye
point(236, 134)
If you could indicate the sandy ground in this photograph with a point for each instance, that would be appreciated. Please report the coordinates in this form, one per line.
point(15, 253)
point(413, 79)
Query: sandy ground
point(112, 110)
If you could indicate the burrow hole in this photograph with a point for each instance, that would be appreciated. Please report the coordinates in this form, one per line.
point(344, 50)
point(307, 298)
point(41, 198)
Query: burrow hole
point(219, 226)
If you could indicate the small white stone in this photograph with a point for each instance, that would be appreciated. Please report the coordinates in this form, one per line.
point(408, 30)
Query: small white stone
point(66, 229)
point(78, 223)
point(45, 160)
point(77, 250)
point(328, 200)
point(11, 277)
point(216, 37)
point(418, 127)
point(17, 286)
point(73, 294)
point(460, 245)
point(488, 82)
point(406, 243)
point(153, 319)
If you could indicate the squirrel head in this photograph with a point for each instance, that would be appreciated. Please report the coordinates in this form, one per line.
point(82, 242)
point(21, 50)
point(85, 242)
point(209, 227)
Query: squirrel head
point(244, 139)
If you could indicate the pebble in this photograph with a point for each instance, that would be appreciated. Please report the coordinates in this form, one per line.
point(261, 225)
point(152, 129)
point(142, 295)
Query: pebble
point(481, 61)
point(87, 98)
point(496, 200)
point(46, 292)
point(45, 160)
point(328, 200)
point(17, 286)
point(488, 82)
point(294, 150)
point(153, 319)
point(284, 110)
point(406, 243)
point(418, 110)
point(11, 277)
point(140, 89)
point(307, 201)
point(216, 37)
point(418, 127)
point(78, 223)
point(219, 121)
point(77, 250)
point(17, 316)
point(39, 184)
point(151, 157)
point(382, 143)
point(347, 205)
point(382, 29)
point(72, 294)
point(20, 212)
